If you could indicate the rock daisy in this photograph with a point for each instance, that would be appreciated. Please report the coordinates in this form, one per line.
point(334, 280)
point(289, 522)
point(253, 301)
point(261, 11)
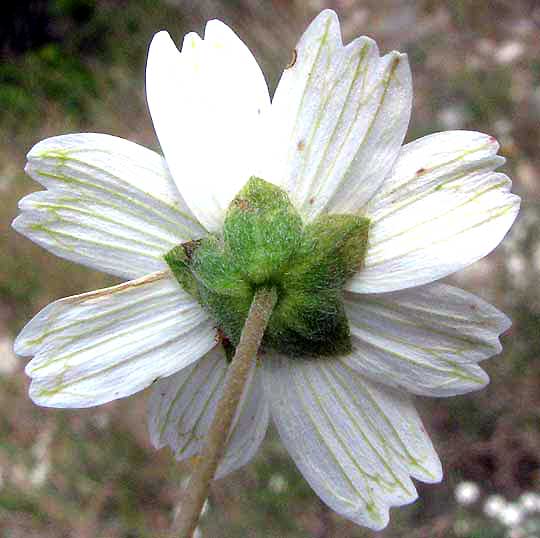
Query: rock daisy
point(311, 194)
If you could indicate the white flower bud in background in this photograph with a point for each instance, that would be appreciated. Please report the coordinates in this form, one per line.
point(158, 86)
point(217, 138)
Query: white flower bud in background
point(467, 493)
point(41, 447)
point(530, 501)
point(509, 52)
point(39, 474)
point(452, 117)
point(277, 483)
point(8, 360)
point(494, 505)
point(511, 515)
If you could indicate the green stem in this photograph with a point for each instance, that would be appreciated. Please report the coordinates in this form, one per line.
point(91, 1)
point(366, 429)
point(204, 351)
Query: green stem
point(259, 314)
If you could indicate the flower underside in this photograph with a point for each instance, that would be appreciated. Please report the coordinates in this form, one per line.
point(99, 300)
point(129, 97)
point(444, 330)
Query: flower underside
point(265, 244)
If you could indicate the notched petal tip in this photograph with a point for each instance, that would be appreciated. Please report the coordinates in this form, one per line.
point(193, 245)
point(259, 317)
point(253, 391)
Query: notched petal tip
point(364, 43)
point(162, 39)
point(22, 346)
point(324, 26)
point(37, 149)
point(328, 15)
point(28, 165)
point(162, 51)
point(17, 223)
point(398, 71)
point(435, 473)
point(46, 150)
point(26, 223)
point(215, 27)
point(477, 379)
point(223, 39)
point(37, 396)
point(505, 324)
point(493, 142)
point(515, 200)
point(162, 34)
point(191, 42)
point(56, 146)
point(379, 516)
point(325, 16)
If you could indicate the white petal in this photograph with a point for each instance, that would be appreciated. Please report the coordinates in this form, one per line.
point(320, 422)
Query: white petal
point(111, 204)
point(182, 408)
point(338, 119)
point(355, 442)
point(426, 340)
point(441, 209)
point(206, 103)
point(99, 346)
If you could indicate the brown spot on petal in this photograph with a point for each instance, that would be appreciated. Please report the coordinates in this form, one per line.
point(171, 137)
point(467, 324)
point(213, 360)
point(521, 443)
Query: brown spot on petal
point(420, 171)
point(293, 59)
point(301, 145)
point(311, 200)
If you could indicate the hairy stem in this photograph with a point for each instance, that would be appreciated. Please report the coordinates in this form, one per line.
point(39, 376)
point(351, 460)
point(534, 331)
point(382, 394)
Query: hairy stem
point(259, 314)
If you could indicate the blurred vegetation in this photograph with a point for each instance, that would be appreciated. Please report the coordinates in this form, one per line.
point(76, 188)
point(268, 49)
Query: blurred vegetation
point(78, 65)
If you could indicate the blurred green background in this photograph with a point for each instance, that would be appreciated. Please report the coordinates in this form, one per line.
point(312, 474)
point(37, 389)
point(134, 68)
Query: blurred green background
point(78, 65)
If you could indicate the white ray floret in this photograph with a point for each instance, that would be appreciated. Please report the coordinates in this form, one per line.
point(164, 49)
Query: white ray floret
point(338, 119)
point(93, 348)
point(426, 340)
point(111, 204)
point(442, 208)
point(182, 407)
point(206, 103)
point(355, 442)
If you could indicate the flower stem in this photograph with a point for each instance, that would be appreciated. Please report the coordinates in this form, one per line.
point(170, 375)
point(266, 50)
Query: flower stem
point(259, 314)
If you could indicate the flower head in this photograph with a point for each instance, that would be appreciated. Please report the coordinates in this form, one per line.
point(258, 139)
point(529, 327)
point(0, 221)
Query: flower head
point(312, 191)
point(467, 493)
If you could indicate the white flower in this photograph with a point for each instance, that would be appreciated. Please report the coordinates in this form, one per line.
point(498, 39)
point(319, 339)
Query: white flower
point(332, 138)
point(530, 501)
point(494, 505)
point(277, 483)
point(467, 493)
point(511, 515)
point(8, 360)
